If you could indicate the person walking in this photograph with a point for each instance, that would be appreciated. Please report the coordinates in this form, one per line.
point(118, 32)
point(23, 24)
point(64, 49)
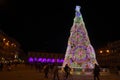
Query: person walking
point(96, 72)
point(55, 72)
point(1, 66)
point(67, 70)
point(46, 70)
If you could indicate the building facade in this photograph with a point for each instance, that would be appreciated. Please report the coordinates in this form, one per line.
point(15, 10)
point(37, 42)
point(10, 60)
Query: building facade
point(45, 57)
point(109, 55)
point(9, 48)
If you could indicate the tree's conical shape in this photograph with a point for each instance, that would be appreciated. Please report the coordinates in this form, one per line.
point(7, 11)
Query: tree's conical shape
point(80, 52)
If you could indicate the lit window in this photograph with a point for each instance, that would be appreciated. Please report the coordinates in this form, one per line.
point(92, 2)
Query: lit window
point(107, 51)
point(7, 43)
point(101, 51)
point(4, 39)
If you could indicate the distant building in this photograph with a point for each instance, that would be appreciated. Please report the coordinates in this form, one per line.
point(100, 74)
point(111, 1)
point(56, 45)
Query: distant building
point(109, 55)
point(9, 48)
point(45, 57)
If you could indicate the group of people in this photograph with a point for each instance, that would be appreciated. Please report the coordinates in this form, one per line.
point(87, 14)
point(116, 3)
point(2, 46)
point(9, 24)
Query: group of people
point(4, 66)
point(67, 69)
point(96, 71)
point(55, 71)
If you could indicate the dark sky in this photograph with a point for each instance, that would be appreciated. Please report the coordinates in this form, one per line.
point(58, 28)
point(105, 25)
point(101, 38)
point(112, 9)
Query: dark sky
point(44, 25)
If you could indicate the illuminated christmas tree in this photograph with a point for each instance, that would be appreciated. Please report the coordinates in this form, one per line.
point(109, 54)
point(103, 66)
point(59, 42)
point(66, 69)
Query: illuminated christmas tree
point(80, 52)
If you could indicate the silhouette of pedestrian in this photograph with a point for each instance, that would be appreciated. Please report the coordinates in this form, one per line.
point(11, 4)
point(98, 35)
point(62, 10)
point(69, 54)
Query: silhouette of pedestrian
point(96, 72)
point(67, 70)
point(55, 72)
point(1, 66)
point(9, 66)
point(46, 70)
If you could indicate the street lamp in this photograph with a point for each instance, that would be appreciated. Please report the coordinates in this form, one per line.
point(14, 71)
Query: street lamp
point(4, 39)
point(107, 51)
point(101, 51)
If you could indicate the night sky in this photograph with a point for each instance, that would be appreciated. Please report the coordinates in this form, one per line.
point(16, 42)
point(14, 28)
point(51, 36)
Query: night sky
point(45, 25)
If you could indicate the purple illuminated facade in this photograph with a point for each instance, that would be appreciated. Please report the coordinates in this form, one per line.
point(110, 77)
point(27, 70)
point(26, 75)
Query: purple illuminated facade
point(44, 57)
point(45, 60)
